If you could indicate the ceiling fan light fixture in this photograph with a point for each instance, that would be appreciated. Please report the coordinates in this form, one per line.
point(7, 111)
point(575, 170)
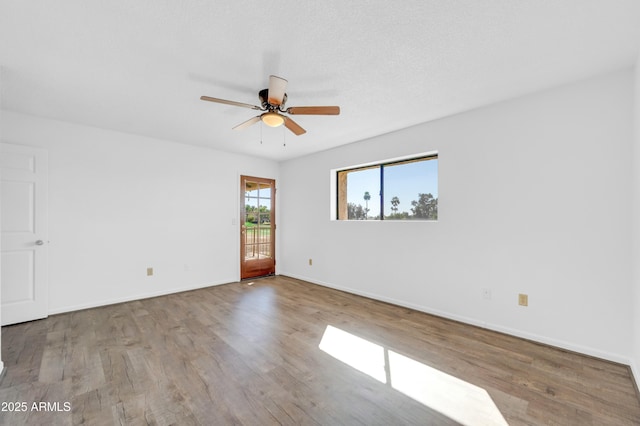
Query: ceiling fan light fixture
point(274, 113)
point(272, 119)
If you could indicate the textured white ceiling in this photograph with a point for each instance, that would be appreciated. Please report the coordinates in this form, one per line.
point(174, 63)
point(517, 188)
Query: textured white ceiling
point(141, 66)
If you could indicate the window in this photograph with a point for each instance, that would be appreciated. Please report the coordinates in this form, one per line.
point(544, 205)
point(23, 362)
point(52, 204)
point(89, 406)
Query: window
point(395, 190)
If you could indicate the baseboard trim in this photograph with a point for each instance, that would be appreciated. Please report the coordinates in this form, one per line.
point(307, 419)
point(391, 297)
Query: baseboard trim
point(608, 356)
point(132, 298)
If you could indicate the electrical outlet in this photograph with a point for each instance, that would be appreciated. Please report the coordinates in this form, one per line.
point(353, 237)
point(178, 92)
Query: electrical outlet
point(486, 293)
point(523, 299)
point(149, 272)
point(310, 262)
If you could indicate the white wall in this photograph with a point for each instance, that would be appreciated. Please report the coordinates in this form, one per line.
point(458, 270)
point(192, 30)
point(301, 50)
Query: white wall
point(635, 365)
point(119, 203)
point(533, 198)
point(1, 128)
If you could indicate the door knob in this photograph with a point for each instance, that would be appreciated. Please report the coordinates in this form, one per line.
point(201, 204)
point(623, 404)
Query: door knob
point(39, 242)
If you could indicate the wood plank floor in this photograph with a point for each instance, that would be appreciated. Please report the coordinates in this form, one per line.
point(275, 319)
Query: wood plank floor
point(282, 351)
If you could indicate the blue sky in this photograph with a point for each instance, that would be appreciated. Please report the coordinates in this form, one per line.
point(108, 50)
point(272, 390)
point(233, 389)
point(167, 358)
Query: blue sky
point(251, 197)
point(404, 181)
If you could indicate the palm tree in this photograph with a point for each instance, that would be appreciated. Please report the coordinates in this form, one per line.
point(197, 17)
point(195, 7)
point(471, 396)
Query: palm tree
point(367, 197)
point(394, 204)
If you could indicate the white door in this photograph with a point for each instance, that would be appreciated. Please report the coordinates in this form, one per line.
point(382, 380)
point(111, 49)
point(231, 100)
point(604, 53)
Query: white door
point(24, 245)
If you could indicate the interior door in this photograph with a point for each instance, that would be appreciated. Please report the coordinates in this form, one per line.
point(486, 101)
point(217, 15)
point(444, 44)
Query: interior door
point(258, 227)
point(23, 229)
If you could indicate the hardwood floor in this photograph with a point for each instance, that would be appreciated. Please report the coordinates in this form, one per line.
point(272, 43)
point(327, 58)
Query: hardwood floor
point(270, 353)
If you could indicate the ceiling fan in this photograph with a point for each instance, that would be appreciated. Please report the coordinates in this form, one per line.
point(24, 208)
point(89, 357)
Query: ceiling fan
point(272, 102)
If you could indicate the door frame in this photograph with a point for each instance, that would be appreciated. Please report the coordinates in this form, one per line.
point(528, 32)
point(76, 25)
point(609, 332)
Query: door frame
point(260, 267)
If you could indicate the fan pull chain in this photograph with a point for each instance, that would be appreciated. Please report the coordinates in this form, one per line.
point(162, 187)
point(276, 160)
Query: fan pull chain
point(284, 137)
point(261, 133)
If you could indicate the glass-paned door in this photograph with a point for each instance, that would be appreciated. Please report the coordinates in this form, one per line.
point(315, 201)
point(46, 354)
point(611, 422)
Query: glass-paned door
point(257, 230)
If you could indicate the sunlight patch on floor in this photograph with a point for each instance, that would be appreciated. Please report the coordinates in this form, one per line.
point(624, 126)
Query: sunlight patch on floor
point(361, 354)
point(455, 398)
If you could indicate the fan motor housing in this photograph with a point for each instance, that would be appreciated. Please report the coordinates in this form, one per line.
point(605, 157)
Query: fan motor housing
point(264, 96)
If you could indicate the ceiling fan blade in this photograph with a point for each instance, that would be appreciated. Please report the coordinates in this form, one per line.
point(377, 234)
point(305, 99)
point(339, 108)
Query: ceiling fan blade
point(247, 123)
point(224, 101)
point(293, 126)
point(314, 110)
point(277, 88)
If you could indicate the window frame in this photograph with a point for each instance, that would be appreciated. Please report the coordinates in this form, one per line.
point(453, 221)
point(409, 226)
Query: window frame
point(339, 184)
